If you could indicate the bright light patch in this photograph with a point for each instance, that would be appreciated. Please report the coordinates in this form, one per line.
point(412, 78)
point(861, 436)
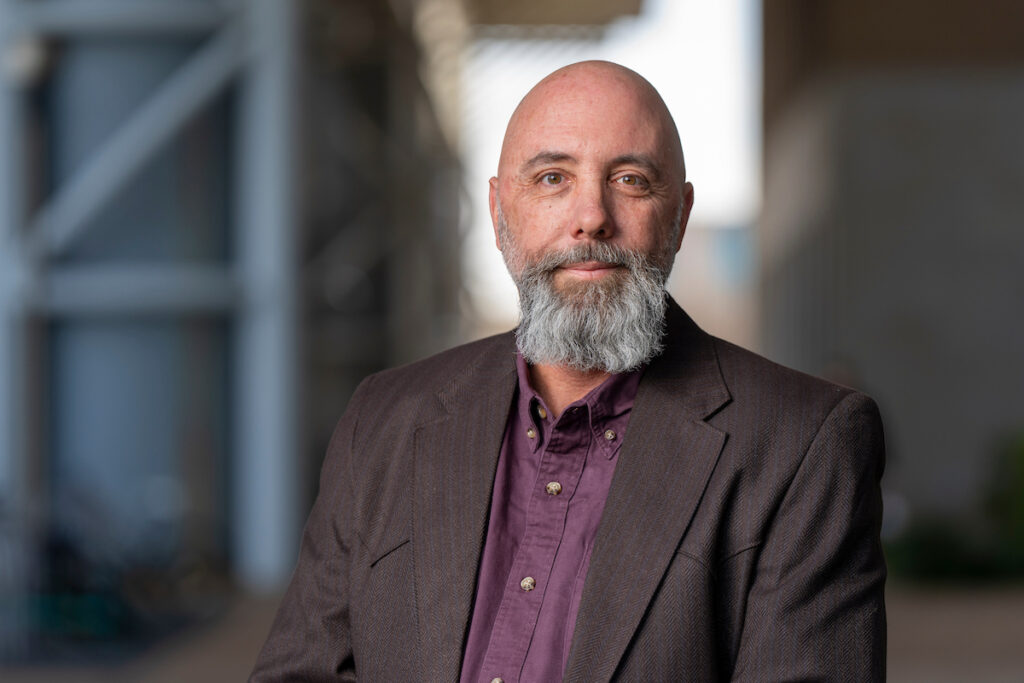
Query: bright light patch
point(704, 59)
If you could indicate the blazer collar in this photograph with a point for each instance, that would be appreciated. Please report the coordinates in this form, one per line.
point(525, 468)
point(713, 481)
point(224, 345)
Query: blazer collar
point(456, 453)
point(664, 466)
point(687, 373)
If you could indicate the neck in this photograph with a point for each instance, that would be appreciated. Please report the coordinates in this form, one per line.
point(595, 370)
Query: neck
point(559, 386)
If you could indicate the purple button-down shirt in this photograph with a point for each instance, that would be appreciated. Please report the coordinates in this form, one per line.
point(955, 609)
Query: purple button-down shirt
point(549, 492)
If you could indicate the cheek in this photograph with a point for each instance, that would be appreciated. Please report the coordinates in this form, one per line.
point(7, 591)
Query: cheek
point(535, 226)
point(649, 228)
point(543, 215)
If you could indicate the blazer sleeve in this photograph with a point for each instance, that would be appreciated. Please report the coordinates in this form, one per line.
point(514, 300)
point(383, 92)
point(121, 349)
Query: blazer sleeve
point(815, 610)
point(310, 639)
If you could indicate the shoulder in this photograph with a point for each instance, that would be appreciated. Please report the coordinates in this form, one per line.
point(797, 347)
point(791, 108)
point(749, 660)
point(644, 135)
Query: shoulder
point(388, 406)
point(439, 373)
point(778, 406)
point(728, 383)
point(754, 379)
point(426, 389)
point(783, 395)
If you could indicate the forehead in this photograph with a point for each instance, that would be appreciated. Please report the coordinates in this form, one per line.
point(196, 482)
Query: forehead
point(588, 117)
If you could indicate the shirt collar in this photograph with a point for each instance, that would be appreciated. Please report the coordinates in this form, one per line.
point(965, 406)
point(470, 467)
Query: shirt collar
point(605, 404)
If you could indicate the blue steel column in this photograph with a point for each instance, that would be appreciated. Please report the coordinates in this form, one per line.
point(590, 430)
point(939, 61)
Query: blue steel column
point(266, 470)
point(14, 279)
point(11, 267)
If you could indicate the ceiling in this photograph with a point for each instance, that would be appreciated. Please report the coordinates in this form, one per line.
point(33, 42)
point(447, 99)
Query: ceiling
point(546, 12)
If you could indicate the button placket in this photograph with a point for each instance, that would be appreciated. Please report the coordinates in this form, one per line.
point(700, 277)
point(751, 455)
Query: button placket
point(562, 458)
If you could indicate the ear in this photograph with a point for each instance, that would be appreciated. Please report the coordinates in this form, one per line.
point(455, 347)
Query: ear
point(492, 202)
point(684, 214)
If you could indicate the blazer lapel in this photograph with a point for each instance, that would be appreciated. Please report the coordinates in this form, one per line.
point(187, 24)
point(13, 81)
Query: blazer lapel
point(663, 468)
point(455, 461)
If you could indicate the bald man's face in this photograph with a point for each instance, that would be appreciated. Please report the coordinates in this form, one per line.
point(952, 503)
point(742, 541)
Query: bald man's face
point(590, 156)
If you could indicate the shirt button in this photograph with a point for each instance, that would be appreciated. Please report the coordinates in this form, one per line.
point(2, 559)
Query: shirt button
point(497, 679)
point(543, 413)
point(553, 488)
point(528, 584)
point(531, 433)
point(609, 434)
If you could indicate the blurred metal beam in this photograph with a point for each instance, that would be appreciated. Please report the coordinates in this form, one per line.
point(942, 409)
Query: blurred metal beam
point(106, 17)
point(63, 219)
point(267, 511)
point(257, 44)
point(91, 290)
point(543, 12)
point(350, 246)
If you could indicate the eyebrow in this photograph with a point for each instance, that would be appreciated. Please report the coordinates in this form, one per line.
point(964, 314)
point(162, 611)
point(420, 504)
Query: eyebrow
point(553, 157)
point(545, 157)
point(642, 160)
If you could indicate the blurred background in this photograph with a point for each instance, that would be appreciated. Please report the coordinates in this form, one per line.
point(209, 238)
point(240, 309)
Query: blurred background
point(217, 216)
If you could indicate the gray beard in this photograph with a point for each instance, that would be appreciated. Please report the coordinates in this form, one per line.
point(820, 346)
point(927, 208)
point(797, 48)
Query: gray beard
point(614, 324)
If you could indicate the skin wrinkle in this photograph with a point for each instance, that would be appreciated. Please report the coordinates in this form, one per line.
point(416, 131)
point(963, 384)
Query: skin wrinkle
point(730, 454)
point(591, 175)
point(615, 324)
point(647, 99)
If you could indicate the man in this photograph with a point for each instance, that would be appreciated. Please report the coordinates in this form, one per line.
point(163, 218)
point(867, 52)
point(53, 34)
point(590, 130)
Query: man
point(610, 493)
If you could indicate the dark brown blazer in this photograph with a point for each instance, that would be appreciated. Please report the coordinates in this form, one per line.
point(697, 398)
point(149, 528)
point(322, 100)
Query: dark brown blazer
point(739, 540)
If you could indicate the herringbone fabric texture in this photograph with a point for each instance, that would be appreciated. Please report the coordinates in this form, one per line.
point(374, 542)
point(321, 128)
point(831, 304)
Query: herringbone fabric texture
point(739, 540)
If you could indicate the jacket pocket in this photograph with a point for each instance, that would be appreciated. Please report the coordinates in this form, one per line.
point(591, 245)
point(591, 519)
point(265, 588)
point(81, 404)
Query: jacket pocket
point(386, 550)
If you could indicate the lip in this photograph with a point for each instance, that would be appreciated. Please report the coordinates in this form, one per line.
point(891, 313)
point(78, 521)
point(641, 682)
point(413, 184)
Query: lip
point(589, 270)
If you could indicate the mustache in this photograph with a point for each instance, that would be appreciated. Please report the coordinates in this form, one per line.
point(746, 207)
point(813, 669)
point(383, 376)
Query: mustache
point(594, 251)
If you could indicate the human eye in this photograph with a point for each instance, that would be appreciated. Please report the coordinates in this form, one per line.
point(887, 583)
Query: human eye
point(552, 178)
point(631, 181)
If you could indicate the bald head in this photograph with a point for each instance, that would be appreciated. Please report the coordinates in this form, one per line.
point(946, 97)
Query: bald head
point(591, 153)
point(600, 89)
point(589, 208)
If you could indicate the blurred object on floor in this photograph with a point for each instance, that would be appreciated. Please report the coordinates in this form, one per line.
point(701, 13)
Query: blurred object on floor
point(987, 546)
point(223, 650)
point(946, 635)
point(954, 634)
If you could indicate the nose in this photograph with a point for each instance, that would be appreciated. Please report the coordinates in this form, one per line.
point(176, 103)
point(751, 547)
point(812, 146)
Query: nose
point(593, 216)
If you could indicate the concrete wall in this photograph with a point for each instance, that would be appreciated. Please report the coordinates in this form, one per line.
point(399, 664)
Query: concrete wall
point(892, 256)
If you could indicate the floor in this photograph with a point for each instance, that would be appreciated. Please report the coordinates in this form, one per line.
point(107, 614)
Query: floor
point(936, 635)
point(957, 635)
